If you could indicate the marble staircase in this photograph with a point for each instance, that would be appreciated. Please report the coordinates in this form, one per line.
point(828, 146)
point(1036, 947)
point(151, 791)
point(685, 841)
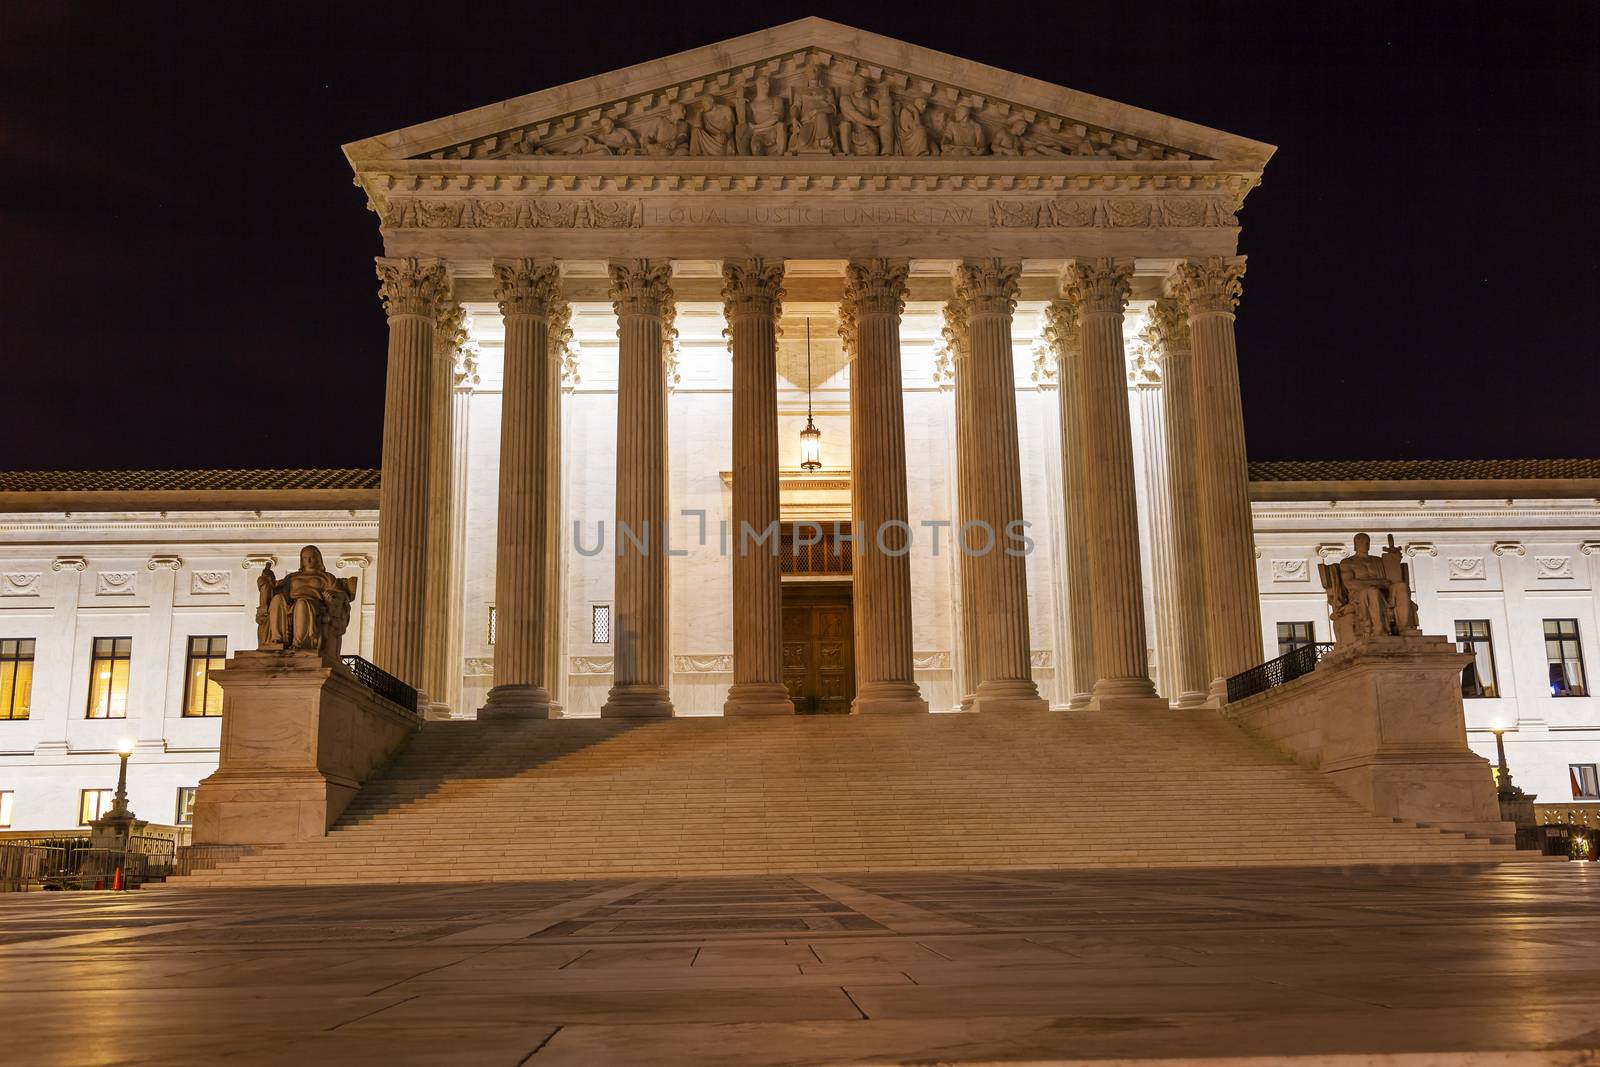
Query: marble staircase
point(490, 800)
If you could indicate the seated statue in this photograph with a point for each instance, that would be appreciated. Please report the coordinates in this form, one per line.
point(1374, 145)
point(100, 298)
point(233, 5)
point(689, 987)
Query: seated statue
point(1369, 595)
point(308, 609)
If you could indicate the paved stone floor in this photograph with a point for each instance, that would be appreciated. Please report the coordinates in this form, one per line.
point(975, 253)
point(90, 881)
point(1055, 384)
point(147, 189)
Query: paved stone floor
point(881, 968)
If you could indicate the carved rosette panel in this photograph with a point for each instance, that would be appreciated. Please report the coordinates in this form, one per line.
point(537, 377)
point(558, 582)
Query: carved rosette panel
point(1210, 285)
point(1098, 286)
point(526, 286)
point(1553, 566)
point(210, 583)
point(114, 583)
point(875, 286)
point(1290, 570)
point(1466, 568)
point(410, 286)
point(19, 583)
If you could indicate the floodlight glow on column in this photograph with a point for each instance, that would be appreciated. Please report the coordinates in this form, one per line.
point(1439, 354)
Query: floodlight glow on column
point(810, 437)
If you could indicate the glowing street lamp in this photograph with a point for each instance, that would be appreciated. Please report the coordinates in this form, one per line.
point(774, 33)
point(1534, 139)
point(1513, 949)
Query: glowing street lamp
point(810, 437)
point(119, 800)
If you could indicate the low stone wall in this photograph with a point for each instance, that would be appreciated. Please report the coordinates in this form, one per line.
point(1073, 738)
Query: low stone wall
point(1383, 720)
point(299, 737)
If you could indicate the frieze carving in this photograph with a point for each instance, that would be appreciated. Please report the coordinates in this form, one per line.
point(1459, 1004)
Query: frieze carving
point(114, 583)
point(590, 664)
point(1042, 659)
point(1098, 212)
point(510, 213)
point(210, 583)
point(1466, 568)
point(1290, 570)
point(930, 661)
point(1553, 566)
point(809, 103)
point(478, 666)
point(19, 583)
point(704, 664)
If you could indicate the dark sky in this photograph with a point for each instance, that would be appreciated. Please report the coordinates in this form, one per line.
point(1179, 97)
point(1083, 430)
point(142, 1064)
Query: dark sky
point(185, 267)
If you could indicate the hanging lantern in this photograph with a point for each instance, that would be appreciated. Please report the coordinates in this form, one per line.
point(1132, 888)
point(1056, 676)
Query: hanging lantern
point(810, 437)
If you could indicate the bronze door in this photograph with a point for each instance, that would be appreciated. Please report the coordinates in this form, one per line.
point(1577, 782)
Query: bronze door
point(818, 649)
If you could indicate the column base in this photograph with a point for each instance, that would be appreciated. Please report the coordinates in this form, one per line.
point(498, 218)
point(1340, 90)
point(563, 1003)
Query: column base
point(1193, 700)
point(433, 711)
point(877, 698)
point(758, 698)
point(1126, 694)
point(1078, 701)
point(966, 703)
point(1008, 694)
point(518, 702)
point(637, 702)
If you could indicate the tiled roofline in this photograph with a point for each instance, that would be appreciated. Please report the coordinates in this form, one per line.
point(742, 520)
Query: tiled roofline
point(280, 489)
point(1545, 479)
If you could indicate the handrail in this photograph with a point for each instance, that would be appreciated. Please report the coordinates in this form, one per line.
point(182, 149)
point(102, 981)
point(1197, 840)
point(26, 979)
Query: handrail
point(1298, 661)
point(382, 682)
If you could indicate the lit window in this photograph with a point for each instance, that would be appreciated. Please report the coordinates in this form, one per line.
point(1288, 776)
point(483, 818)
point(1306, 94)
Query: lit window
point(491, 624)
point(201, 695)
point(600, 624)
point(108, 678)
point(16, 677)
point(1565, 656)
point(5, 807)
point(185, 814)
point(1585, 781)
point(1477, 677)
point(93, 803)
point(1291, 635)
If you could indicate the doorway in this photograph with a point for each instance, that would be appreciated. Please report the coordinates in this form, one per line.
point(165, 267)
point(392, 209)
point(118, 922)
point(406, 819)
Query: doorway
point(819, 666)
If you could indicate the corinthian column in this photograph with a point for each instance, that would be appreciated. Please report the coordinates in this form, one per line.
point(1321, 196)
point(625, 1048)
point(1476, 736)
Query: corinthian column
point(957, 335)
point(526, 290)
point(1061, 331)
point(869, 323)
point(449, 334)
point(1169, 332)
point(410, 290)
point(464, 376)
point(555, 671)
point(992, 532)
point(1099, 287)
point(751, 296)
point(1210, 288)
point(642, 297)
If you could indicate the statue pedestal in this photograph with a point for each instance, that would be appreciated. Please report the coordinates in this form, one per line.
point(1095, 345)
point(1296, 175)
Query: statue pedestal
point(299, 737)
point(1382, 718)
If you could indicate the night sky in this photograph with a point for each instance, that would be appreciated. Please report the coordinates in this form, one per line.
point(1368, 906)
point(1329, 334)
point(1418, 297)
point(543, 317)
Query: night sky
point(185, 266)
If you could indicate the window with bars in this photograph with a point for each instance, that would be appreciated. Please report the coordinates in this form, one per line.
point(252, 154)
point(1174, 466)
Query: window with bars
point(813, 548)
point(1291, 635)
point(16, 677)
point(108, 677)
point(185, 813)
point(202, 697)
point(1565, 656)
point(93, 803)
point(1478, 677)
point(600, 624)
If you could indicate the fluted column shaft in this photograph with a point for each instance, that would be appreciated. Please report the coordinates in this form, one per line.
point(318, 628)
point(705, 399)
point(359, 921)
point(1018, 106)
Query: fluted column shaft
point(1210, 288)
point(555, 674)
point(752, 301)
point(410, 289)
point(1061, 330)
point(1099, 287)
point(992, 533)
point(869, 323)
point(957, 335)
point(448, 335)
point(526, 290)
point(642, 296)
point(465, 379)
point(1191, 679)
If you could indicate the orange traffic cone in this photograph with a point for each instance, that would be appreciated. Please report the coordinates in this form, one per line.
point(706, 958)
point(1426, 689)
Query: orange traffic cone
point(116, 883)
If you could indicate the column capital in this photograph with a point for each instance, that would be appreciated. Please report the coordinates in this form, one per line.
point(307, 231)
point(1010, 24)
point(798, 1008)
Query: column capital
point(560, 331)
point(989, 286)
point(464, 371)
point(1099, 286)
point(641, 287)
point(526, 286)
point(956, 330)
point(752, 288)
point(1210, 285)
point(1061, 328)
point(171, 563)
point(875, 286)
point(410, 285)
point(1166, 329)
point(449, 328)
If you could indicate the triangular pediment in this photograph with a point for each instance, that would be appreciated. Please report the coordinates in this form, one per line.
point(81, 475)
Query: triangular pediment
point(810, 90)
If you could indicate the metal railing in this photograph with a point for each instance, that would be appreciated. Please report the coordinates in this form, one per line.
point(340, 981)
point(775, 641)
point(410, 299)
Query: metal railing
point(63, 862)
point(1298, 661)
point(382, 682)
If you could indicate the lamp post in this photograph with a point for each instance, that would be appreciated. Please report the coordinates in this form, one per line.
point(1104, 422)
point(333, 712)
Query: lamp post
point(1503, 778)
point(119, 800)
point(1515, 805)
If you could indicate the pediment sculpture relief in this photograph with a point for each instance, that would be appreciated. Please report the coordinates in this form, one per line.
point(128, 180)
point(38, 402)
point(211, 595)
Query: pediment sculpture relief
point(808, 104)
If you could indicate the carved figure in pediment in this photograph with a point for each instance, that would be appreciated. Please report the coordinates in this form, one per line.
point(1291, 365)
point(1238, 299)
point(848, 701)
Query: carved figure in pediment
point(609, 139)
point(717, 132)
point(308, 609)
point(911, 128)
point(769, 132)
point(963, 135)
point(670, 134)
point(1008, 138)
point(813, 118)
point(863, 116)
point(1041, 140)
